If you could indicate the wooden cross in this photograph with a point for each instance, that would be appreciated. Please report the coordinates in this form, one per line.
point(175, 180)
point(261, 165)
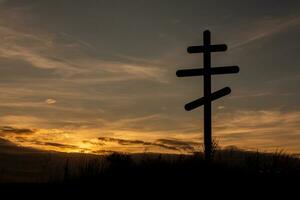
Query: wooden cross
point(208, 97)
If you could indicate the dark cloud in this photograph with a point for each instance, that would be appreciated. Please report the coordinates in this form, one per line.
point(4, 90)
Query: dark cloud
point(162, 143)
point(136, 142)
point(121, 141)
point(185, 145)
point(93, 143)
point(59, 145)
point(21, 131)
point(102, 151)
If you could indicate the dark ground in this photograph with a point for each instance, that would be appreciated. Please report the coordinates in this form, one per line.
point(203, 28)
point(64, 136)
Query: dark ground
point(25, 171)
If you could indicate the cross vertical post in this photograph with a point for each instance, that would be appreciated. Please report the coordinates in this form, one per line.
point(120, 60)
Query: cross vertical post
point(207, 93)
point(207, 48)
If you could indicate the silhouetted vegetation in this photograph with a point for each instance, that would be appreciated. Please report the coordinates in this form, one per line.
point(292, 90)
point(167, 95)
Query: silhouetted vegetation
point(230, 168)
point(227, 164)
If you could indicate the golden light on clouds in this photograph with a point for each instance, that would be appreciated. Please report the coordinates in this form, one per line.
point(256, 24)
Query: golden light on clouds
point(264, 130)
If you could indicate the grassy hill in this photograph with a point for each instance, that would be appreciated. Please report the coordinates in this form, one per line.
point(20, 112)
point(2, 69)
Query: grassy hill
point(23, 165)
point(33, 170)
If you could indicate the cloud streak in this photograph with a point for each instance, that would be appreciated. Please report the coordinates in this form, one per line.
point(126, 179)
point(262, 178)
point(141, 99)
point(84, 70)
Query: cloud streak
point(170, 144)
point(44, 52)
point(50, 101)
point(267, 28)
point(262, 129)
point(59, 145)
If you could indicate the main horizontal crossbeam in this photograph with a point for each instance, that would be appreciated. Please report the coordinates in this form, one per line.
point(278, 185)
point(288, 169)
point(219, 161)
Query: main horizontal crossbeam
point(213, 71)
point(210, 48)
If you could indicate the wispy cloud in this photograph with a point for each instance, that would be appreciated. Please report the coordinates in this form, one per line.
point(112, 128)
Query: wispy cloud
point(45, 52)
point(262, 129)
point(50, 101)
point(40, 52)
point(252, 94)
point(266, 28)
point(27, 121)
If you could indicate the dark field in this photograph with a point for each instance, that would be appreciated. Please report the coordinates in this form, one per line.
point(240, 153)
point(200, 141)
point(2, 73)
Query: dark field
point(22, 165)
point(28, 170)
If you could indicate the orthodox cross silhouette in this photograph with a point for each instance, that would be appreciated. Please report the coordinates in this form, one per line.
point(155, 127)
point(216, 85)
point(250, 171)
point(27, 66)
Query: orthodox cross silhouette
point(208, 97)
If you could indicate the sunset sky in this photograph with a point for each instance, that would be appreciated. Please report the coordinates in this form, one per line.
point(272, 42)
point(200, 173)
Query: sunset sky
point(97, 76)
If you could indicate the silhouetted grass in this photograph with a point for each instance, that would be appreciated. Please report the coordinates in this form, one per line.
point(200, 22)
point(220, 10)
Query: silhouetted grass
point(226, 164)
point(230, 169)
